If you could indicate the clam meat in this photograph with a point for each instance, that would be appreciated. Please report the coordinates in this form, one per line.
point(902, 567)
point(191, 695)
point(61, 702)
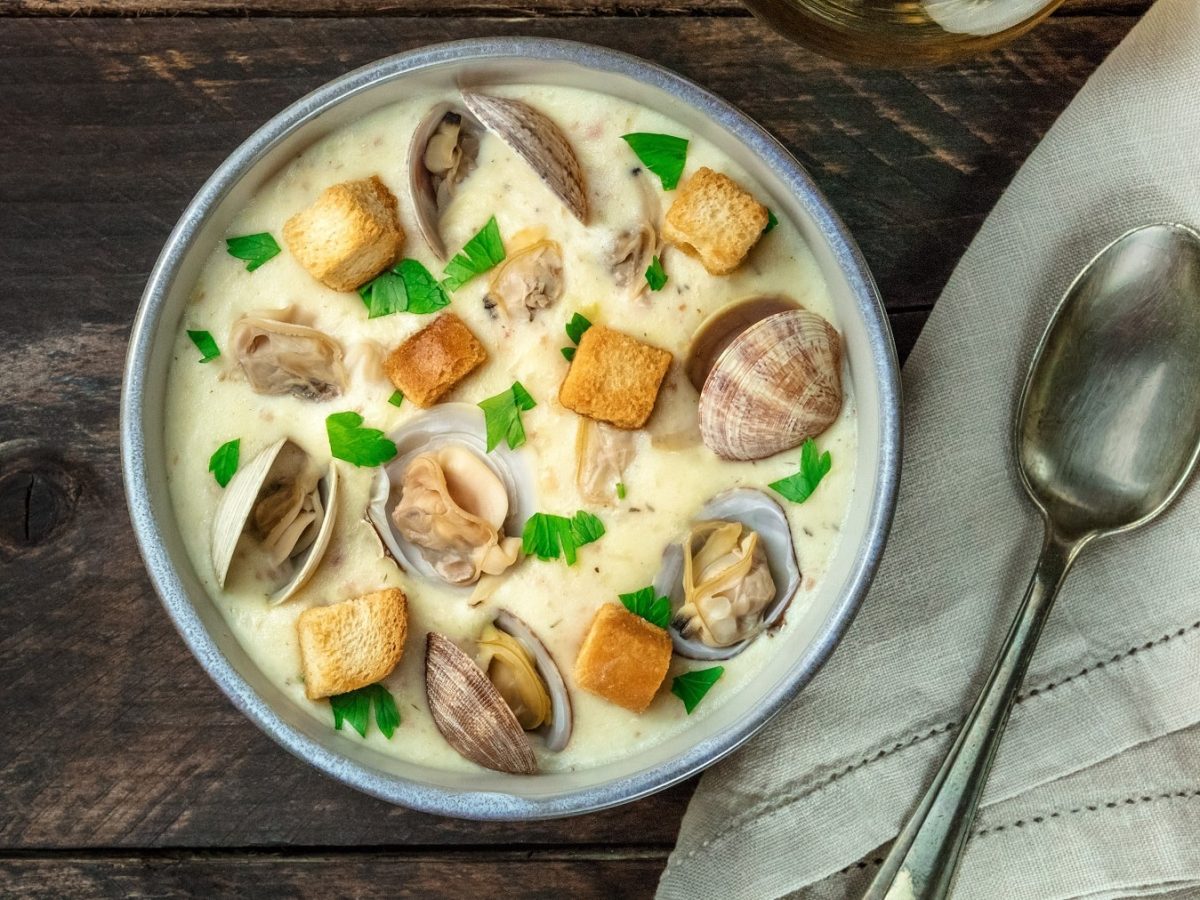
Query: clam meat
point(769, 386)
point(281, 356)
point(632, 249)
point(528, 280)
point(277, 513)
point(446, 509)
point(602, 453)
point(442, 153)
point(484, 707)
point(730, 576)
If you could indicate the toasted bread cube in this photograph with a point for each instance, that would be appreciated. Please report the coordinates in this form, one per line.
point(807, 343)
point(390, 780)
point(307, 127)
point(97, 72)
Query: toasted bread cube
point(614, 378)
point(624, 658)
point(352, 644)
point(427, 365)
point(349, 235)
point(714, 220)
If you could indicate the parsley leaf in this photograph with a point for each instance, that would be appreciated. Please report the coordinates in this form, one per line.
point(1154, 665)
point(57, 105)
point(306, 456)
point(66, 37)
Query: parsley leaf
point(255, 249)
point(205, 344)
point(575, 329)
point(348, 440)
point(502, 415)
point(643, 603)
point(690, 687)
point(478, 255)
point(354, 707)
point(771, 222)
point(396, 399)
point(224, 462)
point(662, 154)
point(548, 536)
point(656, 277)
point(813, 467)
point(407, 287)
point(620, 490)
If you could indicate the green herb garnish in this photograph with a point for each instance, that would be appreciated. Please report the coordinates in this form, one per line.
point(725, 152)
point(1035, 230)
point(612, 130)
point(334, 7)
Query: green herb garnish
point(502, 415)
point(771, 222)
point(662, 154)
point(548, 536)
point(568, 353)
point(575, 329)
point(255, 249)
point(479, 254)
point(408, 287)
point(224, 462)
point(813, 467)
point(396, 399)
point(690, 687)
point(205, 344)
point(348, 440)
point(656, 277)
point(656, 611)
point(620, 490)
point(354, 707)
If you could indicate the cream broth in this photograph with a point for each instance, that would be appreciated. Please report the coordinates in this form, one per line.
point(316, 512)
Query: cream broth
point(210, 404)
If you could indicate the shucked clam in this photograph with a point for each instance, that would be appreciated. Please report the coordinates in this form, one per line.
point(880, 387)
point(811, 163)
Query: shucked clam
point(441, 154)
point(444, 507)
point(731, 576)
point(278, 512)
point(279, 355)
point(769, 377)
point(484, 707)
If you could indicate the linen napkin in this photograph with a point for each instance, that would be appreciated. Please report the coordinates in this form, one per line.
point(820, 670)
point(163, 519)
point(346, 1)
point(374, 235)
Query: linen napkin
point(1096, 788)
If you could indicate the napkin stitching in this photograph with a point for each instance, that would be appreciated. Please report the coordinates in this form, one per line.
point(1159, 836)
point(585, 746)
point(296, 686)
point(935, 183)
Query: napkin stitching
point(803, 790)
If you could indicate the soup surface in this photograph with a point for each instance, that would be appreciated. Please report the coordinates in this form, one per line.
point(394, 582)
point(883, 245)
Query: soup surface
point(672, 473)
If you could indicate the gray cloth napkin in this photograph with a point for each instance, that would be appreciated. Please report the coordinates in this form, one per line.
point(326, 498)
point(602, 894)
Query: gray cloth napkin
point(1096, 788)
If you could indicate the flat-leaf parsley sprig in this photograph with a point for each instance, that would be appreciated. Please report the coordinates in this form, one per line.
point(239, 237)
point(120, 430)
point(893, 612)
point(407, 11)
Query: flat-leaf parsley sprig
point(690, 687)
point(349, 440)
point(656, 611)
point(354, 708)
point(814, 466)
point(255, 249)
point(502, 416)
point(479, 254)
point(548, 536)
point(663, 154)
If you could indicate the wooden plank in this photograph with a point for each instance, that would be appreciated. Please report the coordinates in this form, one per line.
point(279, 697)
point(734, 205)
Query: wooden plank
point(580, 876)
point(115, 736)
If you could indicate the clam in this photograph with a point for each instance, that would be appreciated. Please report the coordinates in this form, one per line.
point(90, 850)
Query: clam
point(731, 576)
point(279, 511)
point(537, 140)
point(279, 355)
point(769, 375)
point(441, 154)
point(632, 249)
point(445, 508)
point(602, 453)
point(528, 280)
point(485, 707)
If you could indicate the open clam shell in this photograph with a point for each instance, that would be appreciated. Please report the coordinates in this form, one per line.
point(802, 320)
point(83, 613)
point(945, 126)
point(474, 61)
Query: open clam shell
point(307, 532)
point(447, 424)
point(758, 512)
point(557, 733)
point(537, 140)
point(430, 193)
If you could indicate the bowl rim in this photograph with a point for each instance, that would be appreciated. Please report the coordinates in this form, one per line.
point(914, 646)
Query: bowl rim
point(497, 806)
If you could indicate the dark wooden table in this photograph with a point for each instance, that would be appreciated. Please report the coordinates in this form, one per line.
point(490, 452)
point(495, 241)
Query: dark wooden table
point(123, 771)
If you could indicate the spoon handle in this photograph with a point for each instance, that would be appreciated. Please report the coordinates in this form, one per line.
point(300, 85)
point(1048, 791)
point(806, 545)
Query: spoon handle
point(924, 857)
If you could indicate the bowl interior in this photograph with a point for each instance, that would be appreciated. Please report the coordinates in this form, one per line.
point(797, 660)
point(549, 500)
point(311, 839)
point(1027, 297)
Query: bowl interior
point(872, 368)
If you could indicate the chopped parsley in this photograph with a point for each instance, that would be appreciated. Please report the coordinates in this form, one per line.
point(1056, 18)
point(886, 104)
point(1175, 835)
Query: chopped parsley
point(396, 399)
point(620, 490)
point(205, 344)
point(548, 536)
point(656, 277)
point(656, 611)
point(224, 462)
point(480, 253)
point(502, 415)
point(355, 708)
point(575, 329)
point(662, 154)
point(771, 222)
point(407, 287)
point(690, 687)
point(813, 467)
point(348, 440)
point(255, 249)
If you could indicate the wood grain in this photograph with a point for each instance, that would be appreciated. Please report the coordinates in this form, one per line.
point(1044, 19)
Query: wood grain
point(115, 739)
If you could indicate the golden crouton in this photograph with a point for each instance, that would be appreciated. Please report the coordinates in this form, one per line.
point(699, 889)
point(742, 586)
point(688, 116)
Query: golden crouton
point(427, 365)
point(614, 378)
point(714, 220)
point(352, 644)
point(349, 235)
point(624, 658)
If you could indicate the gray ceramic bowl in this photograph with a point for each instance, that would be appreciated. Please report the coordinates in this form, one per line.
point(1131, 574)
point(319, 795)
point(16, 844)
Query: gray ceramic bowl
point(873, 372)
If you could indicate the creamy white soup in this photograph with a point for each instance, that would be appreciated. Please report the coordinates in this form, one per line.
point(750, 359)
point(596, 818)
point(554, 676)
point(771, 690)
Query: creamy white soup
point(649, 504)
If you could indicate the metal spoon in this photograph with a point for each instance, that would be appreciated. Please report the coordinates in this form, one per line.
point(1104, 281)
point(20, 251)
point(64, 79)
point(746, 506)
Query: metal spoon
point(1107, 433)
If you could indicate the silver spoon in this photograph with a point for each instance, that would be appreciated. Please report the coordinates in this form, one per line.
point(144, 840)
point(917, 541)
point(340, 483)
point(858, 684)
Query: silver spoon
point(1107, 433)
